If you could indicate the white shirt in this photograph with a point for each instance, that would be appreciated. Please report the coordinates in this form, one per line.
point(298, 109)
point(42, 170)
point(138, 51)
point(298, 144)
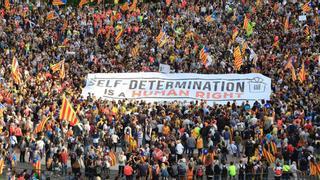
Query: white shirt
point(114, 138)
point(179, 148)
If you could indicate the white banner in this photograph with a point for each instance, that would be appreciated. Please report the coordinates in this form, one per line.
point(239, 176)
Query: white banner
point(151, 87)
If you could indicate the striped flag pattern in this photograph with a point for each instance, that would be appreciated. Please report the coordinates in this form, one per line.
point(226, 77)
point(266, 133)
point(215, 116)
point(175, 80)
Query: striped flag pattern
point(204, 55)
point(244, 47)
point(273, 147)
point(41, 125)
point(306, 30)
point(162, 38)
point(113, 158)
point(269, 157)
point(56, 67)
point(293, 72)
point(302, 74)
point(159, 37)
point(15, 71)
point(118, 37)
point(67, 112)
point(235, 33)
point(237, 58)
point(286, 24)
point(135, 51)
point(1, 166)
point(306, 7)
point(62, 71)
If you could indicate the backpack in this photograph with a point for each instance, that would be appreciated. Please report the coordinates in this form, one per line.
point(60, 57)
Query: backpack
point(241, 169)
point(155, 170)
point(224, 171)
point(173, 170)
point(181, 169)
point(200, 171)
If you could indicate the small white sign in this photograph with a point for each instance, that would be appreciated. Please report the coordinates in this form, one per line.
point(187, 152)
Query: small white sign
point(164, 68)
point(302, 18)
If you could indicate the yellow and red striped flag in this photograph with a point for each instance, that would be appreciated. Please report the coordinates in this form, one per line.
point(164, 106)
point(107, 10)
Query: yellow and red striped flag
point(113, 158)
point(67, 113)
point(159, 37)
point(62, 72)
point(15, 71)
point(203, 55)
point(51, 15)
point(118, 37)
point(40, 126)
point(7, 4)
point(306, 30)
point(286, 24)
point(306, 7)
point(1, 166)
point(135, 51)
point(292, 70)
point(235, 33)
point(56, 67)
point(269, 157)
point(237, 58)
point(83, 2)
point(245, 23)
point(302, 74)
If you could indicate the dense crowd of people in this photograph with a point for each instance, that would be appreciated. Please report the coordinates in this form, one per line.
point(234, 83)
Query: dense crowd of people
point(166, 139)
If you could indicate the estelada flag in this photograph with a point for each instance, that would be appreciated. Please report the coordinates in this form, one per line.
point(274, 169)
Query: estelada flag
point(67, 113)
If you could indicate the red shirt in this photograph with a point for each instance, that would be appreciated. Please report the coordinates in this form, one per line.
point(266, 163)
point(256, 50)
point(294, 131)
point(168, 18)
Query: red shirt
point(64, 157)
